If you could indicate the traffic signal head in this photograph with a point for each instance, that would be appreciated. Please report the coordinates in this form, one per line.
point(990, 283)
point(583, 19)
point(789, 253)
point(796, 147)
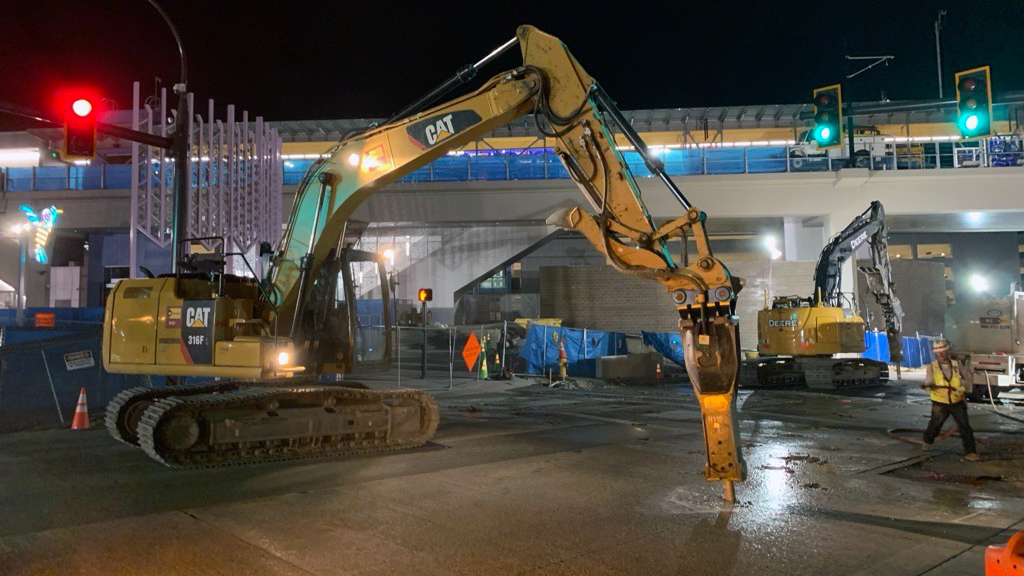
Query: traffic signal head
point(425, 294)
point(79, 109)
point(974, 102)
point(828, 116)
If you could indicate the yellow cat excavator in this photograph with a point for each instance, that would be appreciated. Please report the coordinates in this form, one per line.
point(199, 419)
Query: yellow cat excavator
point(268, 341)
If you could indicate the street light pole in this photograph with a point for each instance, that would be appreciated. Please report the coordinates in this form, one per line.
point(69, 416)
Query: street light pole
point(23, 258)
point(938, 48)
point(179, 147)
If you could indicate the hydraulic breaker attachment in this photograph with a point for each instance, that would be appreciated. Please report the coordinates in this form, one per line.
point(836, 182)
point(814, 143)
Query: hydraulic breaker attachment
point(711, 352)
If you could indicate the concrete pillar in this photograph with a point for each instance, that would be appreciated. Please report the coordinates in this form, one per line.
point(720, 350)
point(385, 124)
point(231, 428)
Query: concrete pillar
point(835, 222)
point(803, 238)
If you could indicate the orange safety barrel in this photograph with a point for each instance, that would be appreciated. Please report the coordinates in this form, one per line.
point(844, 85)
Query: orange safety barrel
point(1006, 560)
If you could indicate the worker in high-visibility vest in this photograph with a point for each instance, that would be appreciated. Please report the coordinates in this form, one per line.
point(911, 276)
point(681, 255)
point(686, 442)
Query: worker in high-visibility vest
point(944, 379)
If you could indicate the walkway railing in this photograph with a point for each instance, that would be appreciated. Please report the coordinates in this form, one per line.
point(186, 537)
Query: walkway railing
point(542, 164)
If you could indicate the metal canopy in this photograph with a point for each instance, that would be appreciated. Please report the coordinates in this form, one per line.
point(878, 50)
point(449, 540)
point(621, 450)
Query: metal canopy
point(676, 119)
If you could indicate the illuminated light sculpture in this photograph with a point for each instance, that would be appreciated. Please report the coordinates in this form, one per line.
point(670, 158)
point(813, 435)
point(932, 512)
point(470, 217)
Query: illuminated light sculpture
point(43, 224)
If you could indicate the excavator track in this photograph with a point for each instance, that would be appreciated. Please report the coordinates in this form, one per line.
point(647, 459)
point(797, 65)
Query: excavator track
point(815, 373)
point(126, 409)
point(270, 424)
point(842, 373)
point(770, 372)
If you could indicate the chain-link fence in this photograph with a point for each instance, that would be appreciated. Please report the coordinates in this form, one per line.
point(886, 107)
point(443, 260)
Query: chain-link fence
point(457, 353)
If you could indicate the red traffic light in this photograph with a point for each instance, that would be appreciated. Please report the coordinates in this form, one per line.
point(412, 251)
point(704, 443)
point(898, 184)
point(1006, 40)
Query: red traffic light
point(81, 107)
point(425, 294)
point(79, 110)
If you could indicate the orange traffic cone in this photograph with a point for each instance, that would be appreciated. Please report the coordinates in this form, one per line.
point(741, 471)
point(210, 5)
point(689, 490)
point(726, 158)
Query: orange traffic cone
point(657, 370)
point(1006, 560)
point(81, 419)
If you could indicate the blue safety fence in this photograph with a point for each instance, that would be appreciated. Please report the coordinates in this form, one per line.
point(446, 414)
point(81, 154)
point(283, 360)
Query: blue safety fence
point(668, 344)
point(917, 350)
point(40, 381)
point(582, 348)
point(62, 316)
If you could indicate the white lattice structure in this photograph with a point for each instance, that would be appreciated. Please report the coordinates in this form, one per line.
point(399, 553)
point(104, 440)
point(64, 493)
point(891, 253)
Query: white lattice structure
point(235, 184)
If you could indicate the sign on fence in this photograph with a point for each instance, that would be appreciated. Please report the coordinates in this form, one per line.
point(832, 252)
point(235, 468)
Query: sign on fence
point(78, 360)
point(471, 351)
point(45, 319)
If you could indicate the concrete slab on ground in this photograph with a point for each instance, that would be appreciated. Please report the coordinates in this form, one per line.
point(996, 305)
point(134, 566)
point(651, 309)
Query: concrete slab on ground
point(526, 479)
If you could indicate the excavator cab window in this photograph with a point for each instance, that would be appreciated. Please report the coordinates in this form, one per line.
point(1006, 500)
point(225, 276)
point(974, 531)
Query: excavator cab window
point(369, 307)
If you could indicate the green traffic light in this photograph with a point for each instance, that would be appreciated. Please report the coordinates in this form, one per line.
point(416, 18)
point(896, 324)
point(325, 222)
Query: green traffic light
point(972, 124)
point(824, 133)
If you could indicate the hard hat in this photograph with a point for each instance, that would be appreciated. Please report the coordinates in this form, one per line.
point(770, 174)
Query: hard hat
point(940, 346)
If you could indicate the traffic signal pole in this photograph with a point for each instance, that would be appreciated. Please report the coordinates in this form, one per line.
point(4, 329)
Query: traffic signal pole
point(179, 147)
point(423, 340)
point(849, 136)
point(179, 150)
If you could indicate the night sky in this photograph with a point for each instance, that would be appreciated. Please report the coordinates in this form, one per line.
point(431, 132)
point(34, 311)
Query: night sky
point(349, 59)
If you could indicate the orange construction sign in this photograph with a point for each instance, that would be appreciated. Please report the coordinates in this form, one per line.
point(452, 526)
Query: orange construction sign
point(45, 319)
point(471, 351)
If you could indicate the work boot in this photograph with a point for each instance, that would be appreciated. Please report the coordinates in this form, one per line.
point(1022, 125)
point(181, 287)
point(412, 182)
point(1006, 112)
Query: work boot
point(973, 457)
point(926, 447)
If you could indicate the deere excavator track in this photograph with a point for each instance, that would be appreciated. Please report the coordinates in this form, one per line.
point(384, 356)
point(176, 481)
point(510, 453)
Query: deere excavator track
point(816, 373)
point(269, 424)
point(770, 372)
point(841, 373)
point(126, 409)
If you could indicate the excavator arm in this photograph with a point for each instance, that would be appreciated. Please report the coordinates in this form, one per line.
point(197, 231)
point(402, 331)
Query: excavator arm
point(570, 108)
point(868, 227)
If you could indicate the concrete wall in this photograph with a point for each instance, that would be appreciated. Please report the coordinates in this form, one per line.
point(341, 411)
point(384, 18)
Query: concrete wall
point(993, 255)
point(602, 298)
point(921, 287)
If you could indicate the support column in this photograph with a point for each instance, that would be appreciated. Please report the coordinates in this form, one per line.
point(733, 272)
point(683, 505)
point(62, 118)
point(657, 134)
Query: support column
point(835, 223)
point(803, 238)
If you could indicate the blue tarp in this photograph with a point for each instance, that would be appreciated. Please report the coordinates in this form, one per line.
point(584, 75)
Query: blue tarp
point(668, 344)
point(540, 350)
point(917, 350)
point(877, 346)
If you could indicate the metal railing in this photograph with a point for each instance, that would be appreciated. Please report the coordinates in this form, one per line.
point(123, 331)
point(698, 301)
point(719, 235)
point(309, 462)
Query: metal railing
point(881, 153)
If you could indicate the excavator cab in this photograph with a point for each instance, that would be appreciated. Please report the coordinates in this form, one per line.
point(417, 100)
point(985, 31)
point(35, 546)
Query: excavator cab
point(351, 314)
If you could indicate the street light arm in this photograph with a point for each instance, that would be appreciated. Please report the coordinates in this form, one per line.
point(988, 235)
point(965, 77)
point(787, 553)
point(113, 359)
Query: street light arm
point(877, 60)
point(181, 48)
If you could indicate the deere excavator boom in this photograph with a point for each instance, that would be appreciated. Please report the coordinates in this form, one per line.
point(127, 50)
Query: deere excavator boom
point(868, 227)
point(571, 109)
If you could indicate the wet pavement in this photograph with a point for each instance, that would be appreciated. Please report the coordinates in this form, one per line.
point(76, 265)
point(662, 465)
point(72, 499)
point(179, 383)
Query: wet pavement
point(526, 479)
